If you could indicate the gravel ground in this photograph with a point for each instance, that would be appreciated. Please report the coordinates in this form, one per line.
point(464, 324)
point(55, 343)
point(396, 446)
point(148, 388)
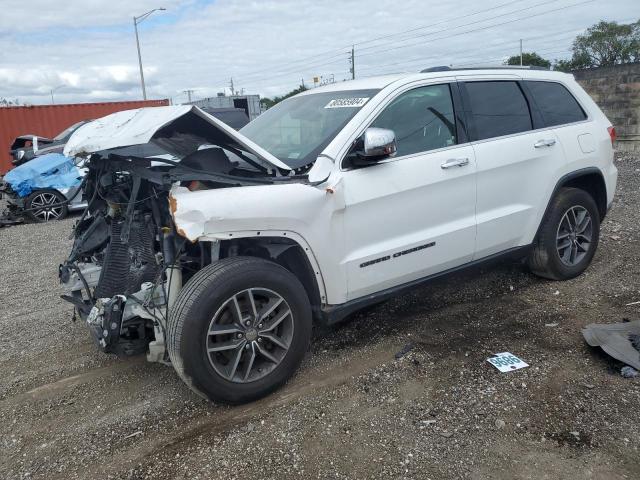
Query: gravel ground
point(353, 411)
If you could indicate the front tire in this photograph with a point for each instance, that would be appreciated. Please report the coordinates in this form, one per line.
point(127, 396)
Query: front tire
point(46, 205)
point(568, 237)
point(239, 329)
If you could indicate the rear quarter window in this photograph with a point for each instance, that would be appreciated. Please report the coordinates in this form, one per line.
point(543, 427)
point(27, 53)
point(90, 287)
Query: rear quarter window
point(556, 104)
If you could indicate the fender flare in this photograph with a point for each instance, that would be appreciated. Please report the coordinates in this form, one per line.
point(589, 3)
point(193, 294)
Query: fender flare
point(296, 237)
point(564, 180)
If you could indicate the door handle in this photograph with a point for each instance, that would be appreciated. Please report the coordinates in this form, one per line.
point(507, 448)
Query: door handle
point(544, 143)
point(455, 162)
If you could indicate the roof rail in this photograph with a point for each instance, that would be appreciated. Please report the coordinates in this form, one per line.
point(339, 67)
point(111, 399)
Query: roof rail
point(445, 68)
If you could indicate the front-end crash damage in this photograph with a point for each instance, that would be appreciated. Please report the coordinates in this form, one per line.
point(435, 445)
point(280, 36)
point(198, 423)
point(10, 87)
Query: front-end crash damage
point(130, 258)
point(52, 175)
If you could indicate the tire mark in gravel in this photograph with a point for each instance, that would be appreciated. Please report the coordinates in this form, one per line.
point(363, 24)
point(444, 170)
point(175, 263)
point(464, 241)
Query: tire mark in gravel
point(304, 384)
point(54, 388)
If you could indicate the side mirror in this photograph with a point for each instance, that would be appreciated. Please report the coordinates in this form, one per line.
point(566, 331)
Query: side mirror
point(379, 143)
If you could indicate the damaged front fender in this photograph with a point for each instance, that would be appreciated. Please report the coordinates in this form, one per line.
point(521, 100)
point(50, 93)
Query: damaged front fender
point(218, 213)
point(299, 212)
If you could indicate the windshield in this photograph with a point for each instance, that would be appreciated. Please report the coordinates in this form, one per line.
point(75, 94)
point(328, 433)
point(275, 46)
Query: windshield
point(297, 129)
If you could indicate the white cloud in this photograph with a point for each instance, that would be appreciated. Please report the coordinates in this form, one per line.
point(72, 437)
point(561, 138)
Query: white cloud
point(34, 15)
point(267, 46)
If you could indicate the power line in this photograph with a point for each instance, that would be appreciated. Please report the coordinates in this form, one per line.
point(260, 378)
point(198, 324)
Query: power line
point(478, 60)
point(342, 49)
point(486, 27)
point(424, 59)
point(340, 57)
point(460, 33)
point(496, 59)
point(529, 7)
point(289, 69)
point(298, 68)
point(439, 23)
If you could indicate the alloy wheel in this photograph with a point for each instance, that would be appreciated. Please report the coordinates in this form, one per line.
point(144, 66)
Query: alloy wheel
point(249, 335)
point(45, 206)
point(574, 235)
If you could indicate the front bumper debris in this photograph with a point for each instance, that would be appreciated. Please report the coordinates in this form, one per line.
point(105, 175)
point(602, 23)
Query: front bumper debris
point(14, 206)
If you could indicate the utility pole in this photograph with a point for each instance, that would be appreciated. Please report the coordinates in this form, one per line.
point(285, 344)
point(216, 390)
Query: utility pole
point(188, 92)
point(520, 52)
point(231, 86)
point(353, 63)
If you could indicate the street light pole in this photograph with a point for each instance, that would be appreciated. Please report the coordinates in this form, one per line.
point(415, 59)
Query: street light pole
point(53, 90)
point(144, 91)
point(136, 21)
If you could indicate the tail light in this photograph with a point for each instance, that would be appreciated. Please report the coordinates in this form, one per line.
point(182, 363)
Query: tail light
point(612, 134)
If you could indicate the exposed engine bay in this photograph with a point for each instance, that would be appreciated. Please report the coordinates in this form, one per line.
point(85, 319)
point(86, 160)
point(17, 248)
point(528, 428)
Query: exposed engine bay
point(128, 260)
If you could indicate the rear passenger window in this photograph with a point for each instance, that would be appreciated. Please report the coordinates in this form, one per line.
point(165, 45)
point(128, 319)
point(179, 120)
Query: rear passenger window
point(498, 108)
point(556, 104)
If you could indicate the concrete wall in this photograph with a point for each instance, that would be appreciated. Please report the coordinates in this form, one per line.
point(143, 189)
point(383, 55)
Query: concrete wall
point(616, 90)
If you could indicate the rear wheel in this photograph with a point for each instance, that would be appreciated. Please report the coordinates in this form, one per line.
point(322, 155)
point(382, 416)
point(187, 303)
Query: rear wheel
point(568, 236)
point(239, 329)
point(46, 205)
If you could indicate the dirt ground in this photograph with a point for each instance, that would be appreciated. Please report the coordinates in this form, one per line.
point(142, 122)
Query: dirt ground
point(353, 410)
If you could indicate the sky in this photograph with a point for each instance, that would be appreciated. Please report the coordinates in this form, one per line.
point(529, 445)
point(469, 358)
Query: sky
point(85, 50)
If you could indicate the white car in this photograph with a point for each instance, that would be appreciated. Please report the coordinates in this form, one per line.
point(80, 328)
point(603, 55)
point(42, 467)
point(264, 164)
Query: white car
point(332, 200)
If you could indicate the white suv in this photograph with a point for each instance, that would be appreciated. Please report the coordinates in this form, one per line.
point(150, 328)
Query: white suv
point(332, 200)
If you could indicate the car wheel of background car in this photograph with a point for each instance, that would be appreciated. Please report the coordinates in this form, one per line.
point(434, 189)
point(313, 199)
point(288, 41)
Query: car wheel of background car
point(46, 205)
point(239, 329)
point(568, 236)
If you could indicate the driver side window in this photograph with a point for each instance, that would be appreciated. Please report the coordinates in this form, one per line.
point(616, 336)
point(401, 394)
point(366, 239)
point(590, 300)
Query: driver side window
point(422, 119)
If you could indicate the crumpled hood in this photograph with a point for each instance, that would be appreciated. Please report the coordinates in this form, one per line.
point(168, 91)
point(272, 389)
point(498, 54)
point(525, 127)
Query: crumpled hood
point(179, 129)
point(47, 171)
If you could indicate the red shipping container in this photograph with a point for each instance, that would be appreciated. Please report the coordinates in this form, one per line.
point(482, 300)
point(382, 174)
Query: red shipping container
point(49, 120)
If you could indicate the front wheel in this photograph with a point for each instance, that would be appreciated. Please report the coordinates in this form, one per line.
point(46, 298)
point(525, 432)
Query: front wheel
point(239, 329)
point(568, 236)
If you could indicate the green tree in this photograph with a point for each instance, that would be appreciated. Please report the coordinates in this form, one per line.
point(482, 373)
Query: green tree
point(529, 59)
point(270, 102)
point(574, 63)
point(604, 44)
point(563, 65)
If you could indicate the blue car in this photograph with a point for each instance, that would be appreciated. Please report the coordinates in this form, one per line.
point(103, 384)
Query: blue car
point(43, 189)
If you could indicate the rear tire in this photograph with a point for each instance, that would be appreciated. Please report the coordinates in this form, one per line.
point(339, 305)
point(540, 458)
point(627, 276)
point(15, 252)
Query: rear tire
point(239, 329)
point(46, 205)
point(568, 237)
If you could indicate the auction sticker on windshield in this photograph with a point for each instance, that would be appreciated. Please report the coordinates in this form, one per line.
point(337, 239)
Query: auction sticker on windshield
point(347, 102)
point(505, 362)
